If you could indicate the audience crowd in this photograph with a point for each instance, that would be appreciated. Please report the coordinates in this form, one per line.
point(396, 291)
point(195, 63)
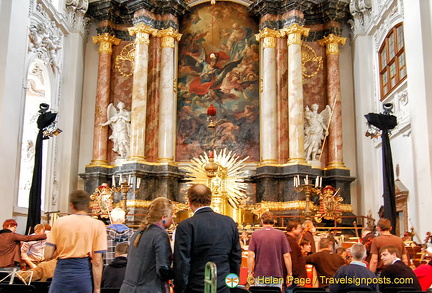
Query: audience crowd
point(79, 254)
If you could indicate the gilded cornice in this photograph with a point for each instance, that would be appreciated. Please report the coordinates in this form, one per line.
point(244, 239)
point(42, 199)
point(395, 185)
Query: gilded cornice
point(332, 43)
point(268, 36)
point(168, 36)
point(142, 33)
point(105, 42)
point(294, 33)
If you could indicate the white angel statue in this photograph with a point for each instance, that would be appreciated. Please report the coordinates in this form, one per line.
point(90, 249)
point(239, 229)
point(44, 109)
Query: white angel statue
point(119, 121)
point(316, 129)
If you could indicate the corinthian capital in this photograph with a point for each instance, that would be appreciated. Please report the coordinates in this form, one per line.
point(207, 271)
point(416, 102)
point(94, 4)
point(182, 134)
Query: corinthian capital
point(294, 33)
point(268, 36)
point(168, 36)
point(142, 32)
point(105, 42)
point(332, 43)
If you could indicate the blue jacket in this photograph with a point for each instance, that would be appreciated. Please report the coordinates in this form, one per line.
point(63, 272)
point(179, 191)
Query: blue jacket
point(207, 236)
point(354, 276)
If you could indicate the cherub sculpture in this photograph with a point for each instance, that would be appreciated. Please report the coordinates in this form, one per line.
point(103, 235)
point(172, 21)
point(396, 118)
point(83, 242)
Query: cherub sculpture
point(316, 129)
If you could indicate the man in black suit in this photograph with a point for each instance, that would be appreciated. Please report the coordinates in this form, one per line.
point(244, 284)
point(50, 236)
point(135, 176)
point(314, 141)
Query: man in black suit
point(207, 236)
point(395, 273)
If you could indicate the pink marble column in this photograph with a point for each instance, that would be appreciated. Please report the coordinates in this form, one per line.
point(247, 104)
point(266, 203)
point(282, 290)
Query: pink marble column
point(168, 98)
point(334, 139)
point(268, 102)
point(295, 93)
point(100, 137)
point(139, 91)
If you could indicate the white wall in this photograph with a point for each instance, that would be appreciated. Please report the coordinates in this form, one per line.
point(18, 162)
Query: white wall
point(67, 90)
point(411, 140)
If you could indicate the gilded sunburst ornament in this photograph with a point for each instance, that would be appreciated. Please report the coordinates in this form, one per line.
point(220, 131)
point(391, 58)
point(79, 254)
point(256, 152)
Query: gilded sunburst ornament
point(228, 179)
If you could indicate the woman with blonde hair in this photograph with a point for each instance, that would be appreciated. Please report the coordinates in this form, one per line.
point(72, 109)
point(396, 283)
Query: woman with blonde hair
point(149, 257)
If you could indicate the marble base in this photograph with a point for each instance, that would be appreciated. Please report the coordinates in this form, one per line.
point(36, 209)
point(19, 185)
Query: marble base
point(156, 180)
point(276, 183)
point(267, 183)
point(94, 176)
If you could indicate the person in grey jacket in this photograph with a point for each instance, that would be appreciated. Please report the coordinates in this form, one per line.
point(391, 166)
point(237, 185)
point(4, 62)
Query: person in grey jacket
point(149, 257)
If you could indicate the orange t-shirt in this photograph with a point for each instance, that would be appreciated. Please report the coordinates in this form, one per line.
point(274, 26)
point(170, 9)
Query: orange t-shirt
point(78, 236)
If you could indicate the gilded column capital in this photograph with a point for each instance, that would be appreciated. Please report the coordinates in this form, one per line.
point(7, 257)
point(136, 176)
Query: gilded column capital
point(106, 41)
point(169, 35)
point(142, 32)
point(268, 36)
point(294, 33)
point(332, 43)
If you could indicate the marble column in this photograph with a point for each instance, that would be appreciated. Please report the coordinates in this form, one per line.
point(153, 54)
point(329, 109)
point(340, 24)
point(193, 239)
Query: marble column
point(100, 137)
point(295, 93)
point(139, 91)
point(268, 102)
point(334, 139)
point(167, 105)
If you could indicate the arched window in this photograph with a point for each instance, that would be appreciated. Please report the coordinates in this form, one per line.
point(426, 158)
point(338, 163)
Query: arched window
point(38, 91)
point(392, 60)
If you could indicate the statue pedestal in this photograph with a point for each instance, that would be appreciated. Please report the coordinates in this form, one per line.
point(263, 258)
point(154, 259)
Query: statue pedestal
point(94, 176)
point(315, 164)
point(156, 180)
point(276, 184)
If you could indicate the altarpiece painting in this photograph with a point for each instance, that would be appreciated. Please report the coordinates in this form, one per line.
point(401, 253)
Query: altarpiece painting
point(219, 65)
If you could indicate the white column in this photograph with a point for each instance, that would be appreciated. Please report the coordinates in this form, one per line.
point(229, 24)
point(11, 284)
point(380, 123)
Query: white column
point(268, 103)
point(363, 63)
point(167, 105)
point(139, 91)
point(418, 45)
point(14, 34)
point(69, 120)
point(295, 93)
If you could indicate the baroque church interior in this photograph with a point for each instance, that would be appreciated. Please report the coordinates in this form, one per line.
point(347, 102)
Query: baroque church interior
point(264, 101)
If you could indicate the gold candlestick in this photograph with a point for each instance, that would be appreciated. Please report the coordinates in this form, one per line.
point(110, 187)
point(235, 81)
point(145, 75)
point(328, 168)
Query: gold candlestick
point(309, 189)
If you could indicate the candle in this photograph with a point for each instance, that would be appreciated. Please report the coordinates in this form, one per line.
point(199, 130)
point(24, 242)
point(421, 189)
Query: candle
point(307, 180)
point(113, 181)
point(320, 182)
point(120, 181)
point(316, 182)
point(295, 181)
point(138, 182)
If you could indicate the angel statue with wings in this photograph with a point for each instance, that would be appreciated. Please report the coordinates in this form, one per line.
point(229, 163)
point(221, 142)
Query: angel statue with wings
point(316, 129)
point(119, 121)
